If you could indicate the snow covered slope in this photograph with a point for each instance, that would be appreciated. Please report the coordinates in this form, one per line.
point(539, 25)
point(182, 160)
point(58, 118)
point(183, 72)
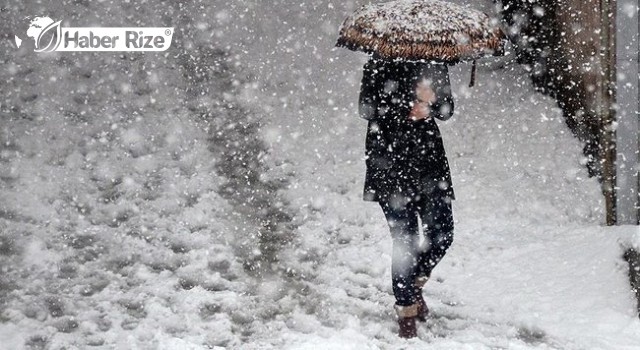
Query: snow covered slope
point(121, 215)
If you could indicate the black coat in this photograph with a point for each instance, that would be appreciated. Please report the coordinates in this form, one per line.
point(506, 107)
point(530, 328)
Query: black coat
point(405, 158)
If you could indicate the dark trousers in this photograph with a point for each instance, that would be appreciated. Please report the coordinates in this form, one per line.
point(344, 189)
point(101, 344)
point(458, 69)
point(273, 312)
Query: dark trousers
point(410, 259)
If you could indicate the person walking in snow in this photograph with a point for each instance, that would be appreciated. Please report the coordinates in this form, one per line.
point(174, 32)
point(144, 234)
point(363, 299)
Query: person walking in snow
point(407, 171)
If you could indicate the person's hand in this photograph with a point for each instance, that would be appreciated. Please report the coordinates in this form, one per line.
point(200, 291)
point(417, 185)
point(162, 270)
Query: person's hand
point(424, 92)
point(425, 97)
point(420, 110)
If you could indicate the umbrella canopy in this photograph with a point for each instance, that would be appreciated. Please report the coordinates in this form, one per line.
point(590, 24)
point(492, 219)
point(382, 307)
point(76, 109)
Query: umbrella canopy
point(421, 30)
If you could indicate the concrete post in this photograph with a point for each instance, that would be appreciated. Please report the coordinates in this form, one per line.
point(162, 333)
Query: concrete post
point(627, 115)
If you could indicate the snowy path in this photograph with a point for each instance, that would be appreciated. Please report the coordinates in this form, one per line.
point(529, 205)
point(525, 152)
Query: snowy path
point(530, 266)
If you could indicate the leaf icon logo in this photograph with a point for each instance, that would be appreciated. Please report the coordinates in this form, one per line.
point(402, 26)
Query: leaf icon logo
point(50, 37)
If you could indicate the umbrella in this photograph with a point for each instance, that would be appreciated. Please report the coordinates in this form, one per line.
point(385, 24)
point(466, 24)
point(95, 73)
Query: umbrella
point(422, 30)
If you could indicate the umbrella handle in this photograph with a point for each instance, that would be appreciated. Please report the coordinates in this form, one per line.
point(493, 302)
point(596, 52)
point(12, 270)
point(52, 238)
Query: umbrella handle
point(472, 81)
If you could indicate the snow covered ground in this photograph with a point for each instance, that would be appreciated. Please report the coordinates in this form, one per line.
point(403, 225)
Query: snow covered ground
point(531, 265)
point(127, 221)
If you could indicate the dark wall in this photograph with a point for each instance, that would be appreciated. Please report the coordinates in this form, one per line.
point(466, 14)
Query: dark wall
point(633, 259)
point(557, 39)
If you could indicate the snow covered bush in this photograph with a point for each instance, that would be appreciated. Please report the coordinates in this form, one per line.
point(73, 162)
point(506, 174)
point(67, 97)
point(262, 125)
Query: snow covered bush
point(132, 196)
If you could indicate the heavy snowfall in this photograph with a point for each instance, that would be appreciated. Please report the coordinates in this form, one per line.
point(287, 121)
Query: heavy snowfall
point(210, 196)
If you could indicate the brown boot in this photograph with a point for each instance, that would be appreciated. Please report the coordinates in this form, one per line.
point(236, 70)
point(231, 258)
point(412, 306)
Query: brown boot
point(407, 320)
point(423, 310)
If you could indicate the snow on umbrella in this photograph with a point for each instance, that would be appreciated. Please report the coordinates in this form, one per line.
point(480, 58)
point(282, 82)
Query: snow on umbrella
point(421, 30)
